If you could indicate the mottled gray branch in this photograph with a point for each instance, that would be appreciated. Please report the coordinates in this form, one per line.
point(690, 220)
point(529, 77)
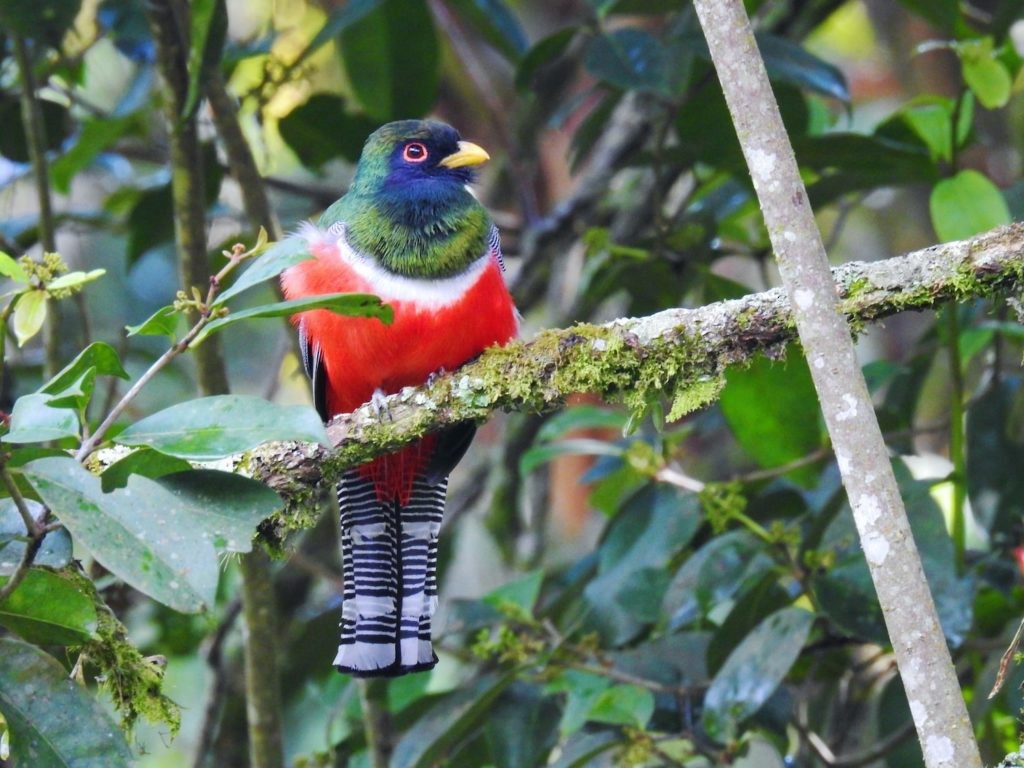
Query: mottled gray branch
point(671, 351)
point(929, 678)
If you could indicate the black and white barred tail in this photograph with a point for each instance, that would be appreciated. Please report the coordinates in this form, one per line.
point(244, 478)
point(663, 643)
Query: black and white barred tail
point(389, 560)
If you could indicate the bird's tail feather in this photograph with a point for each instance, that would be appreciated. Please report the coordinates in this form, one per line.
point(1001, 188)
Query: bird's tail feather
point(389, 560)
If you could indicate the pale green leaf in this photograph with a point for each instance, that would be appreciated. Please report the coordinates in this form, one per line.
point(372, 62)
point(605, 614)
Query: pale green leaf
point(29, 314)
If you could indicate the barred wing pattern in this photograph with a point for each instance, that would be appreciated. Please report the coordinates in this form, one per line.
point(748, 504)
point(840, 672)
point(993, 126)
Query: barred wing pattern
point(389, 560)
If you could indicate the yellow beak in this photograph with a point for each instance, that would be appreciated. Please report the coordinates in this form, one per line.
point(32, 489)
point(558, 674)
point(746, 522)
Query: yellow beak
point(467, 154)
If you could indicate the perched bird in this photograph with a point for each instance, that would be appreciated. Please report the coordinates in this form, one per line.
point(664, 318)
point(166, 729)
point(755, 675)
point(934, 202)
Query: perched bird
point(410, 231)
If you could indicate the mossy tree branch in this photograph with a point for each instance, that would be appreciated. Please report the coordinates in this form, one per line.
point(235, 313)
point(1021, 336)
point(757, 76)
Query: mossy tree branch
point(679, 352)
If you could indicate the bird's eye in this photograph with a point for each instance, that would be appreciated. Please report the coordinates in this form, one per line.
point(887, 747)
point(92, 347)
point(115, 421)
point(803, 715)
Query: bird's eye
point(414, 153)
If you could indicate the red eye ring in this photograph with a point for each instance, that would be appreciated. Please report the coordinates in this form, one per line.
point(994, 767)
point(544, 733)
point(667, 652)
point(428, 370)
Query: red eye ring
point(414, 152)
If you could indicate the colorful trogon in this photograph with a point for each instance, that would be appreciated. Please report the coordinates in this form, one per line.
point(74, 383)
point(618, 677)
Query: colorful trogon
point(410, 231)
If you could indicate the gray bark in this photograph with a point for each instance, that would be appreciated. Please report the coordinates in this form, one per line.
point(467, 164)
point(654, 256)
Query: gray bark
point(926, 668)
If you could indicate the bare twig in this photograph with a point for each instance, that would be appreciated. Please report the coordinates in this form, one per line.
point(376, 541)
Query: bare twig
point(926, 668)
point(36, 530)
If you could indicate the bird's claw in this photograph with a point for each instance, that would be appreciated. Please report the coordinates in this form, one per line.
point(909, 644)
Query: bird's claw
point(431, 378)
point(379, 403)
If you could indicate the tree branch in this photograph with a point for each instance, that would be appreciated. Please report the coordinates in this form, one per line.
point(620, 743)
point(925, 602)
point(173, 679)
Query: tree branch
point(936, 702)
point(35, 140)
point(678, 351)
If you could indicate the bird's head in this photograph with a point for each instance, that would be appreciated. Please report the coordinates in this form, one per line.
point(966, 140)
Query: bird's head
point(409, 206)
point(416, 159)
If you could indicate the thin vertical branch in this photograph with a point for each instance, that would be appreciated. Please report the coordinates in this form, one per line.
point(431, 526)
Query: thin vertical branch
point(262, 683)
point(936, 703)
point(35, 140)
point(168, 21)
point(376, 721)
point(240, 160)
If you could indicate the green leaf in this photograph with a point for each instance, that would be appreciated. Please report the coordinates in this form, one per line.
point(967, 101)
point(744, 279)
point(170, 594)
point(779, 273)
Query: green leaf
point(230, 506)
point(989, 80)
point(73, 385)
point(54, 722)
point(33, 420)
point(145, 462)
point(783, 430)
point(348, 304)
point(628, 58)
point(633, 560)
point(542, 454)
point(142, 533)
point(623, 705)
point(790, 62)
point(271, 263)
point(214, 427)
point(966, 205)
point(56, 119)
point(29, 314)
point(435, 734)
point(582, 417)
point(323, 129)
point(94, 137)
point(930, 119)
point(754, 670)
point(497, 23)
point(583, 689)
point(47, 608)
point(9, 267)
point(541, 54)
point(846, 593)
point(163, 322)
point(54, 551)
point(74, 279)
point(209, 30)
point(393, 59)
point(522, 593)
point(337, 22)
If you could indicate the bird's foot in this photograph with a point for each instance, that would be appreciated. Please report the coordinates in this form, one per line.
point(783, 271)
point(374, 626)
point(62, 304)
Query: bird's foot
point(435, 376)
point(379, 403)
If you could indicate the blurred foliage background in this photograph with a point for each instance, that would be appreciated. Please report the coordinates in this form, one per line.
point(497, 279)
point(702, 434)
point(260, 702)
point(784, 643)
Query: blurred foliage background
point(616, 589)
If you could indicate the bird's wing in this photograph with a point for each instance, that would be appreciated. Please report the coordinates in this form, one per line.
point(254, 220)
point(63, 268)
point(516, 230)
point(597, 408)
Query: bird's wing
point(494, 246)
point(312, 361)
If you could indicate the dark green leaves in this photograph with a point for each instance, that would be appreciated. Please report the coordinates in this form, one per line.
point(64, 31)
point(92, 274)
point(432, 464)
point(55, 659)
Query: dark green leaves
point(214, 427)
point(392, 58)
point(49, 608)
point(323, 129)
point(142, 533)
point(776, 432)
point(54, 721)
point(497, 22)
point(754, 670)
point(628, 58)
point(790, 62)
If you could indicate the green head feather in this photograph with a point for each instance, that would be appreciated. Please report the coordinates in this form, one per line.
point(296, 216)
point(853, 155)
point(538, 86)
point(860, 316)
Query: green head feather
point(409, 206)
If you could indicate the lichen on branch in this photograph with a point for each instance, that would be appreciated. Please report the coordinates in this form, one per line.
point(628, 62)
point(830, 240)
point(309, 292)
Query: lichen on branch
point(678, 353)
